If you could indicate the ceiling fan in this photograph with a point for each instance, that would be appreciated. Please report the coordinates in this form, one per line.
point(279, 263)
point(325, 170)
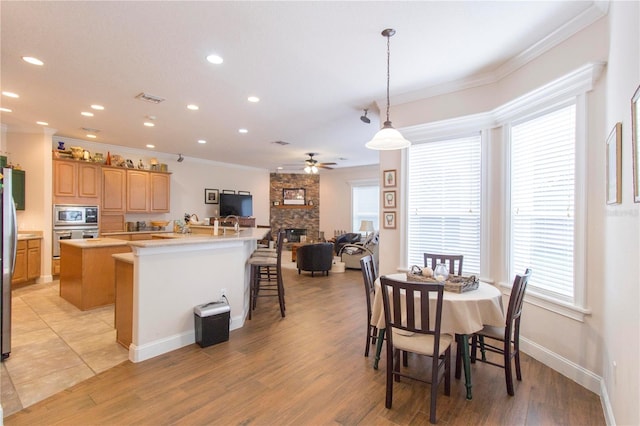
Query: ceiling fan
point(311, 165)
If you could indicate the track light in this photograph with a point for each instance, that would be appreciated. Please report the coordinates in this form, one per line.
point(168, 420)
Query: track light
point(364, 117)
point(180, 158)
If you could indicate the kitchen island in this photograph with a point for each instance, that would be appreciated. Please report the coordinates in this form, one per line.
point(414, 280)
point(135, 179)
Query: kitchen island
point(87, 277)
point(173, 273)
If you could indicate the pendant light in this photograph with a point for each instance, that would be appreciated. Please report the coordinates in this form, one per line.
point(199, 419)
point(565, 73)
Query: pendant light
point(388, 138)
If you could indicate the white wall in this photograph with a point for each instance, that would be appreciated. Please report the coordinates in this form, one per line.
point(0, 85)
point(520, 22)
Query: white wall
point(335, 196)
point(583, 350)
point(621, 225)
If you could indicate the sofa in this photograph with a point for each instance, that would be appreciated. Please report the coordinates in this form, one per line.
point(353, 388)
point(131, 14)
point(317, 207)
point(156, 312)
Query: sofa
point(351, 254)
point(343, 239)
point(316, 257)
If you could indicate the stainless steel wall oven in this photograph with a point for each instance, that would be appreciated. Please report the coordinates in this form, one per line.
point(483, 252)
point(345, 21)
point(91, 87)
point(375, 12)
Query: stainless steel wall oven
point(73, 222)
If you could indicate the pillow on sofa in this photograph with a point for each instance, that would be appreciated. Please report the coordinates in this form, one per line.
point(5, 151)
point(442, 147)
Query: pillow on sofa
point(349, 238)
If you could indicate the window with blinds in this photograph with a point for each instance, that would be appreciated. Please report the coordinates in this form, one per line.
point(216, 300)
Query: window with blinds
point(444, 200)
point(542, 201)
point(365, 199)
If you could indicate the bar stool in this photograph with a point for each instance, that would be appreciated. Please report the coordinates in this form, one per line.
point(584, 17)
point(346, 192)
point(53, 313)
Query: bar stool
point(263, 268)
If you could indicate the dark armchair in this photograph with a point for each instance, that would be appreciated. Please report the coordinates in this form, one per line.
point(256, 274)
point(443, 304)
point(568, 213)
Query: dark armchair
point(315, 258)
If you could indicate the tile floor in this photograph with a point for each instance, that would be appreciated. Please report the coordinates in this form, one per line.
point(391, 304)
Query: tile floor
point(54, 346)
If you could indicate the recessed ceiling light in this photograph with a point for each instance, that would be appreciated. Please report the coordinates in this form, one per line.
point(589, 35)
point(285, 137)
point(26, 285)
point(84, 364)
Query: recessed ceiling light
point(32, 60)
point(202, 141)
point(42, 123)
point(3, 109)
point(150, 145)
point(253, 99)
point(97, 107)
point(215, 59)
point(243, 131)
point(280, 168)
point(193, 107)
point(86, 114)
point(149, 124)
point(91, 136)
point(10, 94)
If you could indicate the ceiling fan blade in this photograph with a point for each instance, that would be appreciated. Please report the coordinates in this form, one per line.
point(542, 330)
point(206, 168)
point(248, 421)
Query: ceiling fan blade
point(329, 164)
point(324, 166)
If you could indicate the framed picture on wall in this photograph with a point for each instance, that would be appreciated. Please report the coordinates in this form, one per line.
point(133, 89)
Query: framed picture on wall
point(635, 141)
point(293, 196)
point(389, 199)
point(389, 220)
point(211, 196)
point(614, 169)
point(389, 178)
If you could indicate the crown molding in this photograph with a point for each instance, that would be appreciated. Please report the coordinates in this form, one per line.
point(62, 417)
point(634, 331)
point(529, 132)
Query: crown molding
point(597, 10)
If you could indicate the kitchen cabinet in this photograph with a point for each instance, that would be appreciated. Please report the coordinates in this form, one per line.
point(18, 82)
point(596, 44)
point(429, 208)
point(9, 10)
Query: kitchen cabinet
point(28, 257)
point(135, 191)
point(114, 183)
point(160, 192)
point(76, 182)
point(138, 191)
point(18, 188)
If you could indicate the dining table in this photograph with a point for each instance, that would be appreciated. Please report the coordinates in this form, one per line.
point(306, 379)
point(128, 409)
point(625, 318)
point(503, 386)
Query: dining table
point(462, 314)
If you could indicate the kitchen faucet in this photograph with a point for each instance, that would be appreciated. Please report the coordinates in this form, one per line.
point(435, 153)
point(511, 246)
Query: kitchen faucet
point(236, 226)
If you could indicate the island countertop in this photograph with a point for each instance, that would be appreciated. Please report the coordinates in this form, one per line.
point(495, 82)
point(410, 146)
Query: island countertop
point(173, 239)
point(87, 243)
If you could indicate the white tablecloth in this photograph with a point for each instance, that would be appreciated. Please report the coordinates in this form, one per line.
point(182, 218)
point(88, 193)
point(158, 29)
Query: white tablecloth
point(462, 313)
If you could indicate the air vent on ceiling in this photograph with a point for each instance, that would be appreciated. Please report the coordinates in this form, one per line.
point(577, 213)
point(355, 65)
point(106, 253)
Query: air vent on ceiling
point(149, 98)
point(90, 130)
point(283, 143)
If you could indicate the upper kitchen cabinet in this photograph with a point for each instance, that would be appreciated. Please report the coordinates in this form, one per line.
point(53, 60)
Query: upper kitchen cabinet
point(135, 191)
point(114, 187)
point(18, 189)
point(138, 191)
point(160, 192)
point(75, 182)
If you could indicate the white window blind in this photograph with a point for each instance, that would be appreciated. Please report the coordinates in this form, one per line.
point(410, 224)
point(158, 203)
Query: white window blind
point(366, 201)
point(444, 200)
point(542, 201)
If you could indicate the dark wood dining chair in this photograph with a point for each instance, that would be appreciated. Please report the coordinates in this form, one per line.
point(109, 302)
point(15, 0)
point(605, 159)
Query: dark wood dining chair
point(263, 270)
point(507, 337)
point(431, 260)
point(368, 268)
point(417, 332)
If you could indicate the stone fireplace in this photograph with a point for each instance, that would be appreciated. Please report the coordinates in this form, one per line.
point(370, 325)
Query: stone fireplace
point(295, 217)
point(293, 234)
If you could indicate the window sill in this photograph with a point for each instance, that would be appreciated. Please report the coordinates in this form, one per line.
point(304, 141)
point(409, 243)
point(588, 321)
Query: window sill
point(556, 306)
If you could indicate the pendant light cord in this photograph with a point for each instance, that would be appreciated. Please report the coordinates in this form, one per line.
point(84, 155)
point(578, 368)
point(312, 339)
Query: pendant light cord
point(388, 60)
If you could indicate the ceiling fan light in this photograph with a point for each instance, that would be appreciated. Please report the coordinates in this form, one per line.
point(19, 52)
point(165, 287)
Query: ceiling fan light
point(387, 139)
point(314, 169)
point(307, 169)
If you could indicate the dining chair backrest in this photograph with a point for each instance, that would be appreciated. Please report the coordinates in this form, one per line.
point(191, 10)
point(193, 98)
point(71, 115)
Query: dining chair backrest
point(516, 300)
point(432, 259)
point(368, 268)
point(279, 244)
point(399, 298)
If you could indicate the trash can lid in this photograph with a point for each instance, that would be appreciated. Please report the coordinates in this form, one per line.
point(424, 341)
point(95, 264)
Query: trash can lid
point(211, 308)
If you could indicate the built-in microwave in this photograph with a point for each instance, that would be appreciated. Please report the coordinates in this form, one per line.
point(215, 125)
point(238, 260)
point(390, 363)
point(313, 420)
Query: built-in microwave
point(74, 215)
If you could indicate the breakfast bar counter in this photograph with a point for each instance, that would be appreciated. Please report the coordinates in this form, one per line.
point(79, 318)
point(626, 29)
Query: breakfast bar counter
point(173, 273)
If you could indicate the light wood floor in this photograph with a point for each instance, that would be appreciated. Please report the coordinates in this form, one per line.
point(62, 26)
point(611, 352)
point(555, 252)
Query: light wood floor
point(305, 369)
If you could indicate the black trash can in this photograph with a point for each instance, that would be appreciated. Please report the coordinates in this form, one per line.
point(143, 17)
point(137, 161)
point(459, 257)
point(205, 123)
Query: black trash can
point(212, 323)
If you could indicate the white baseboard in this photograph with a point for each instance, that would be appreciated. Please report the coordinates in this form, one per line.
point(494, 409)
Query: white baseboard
point(573, 371)
point(171, 343)
point(567, 368)
point(607, 409)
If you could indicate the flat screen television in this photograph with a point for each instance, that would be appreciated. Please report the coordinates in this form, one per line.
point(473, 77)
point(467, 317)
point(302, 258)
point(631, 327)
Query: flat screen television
point(236, 204)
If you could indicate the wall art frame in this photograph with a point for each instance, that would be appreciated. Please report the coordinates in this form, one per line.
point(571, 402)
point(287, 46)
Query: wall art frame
point(614, 165)
point(635, 141)
point(389, 178)
point(389, 199)
point(293, 196)
point(211, 196)
point(389, 220)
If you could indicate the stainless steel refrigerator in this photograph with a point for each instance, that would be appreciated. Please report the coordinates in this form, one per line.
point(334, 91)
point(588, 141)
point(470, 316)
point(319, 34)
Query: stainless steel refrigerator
point(9, 238)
